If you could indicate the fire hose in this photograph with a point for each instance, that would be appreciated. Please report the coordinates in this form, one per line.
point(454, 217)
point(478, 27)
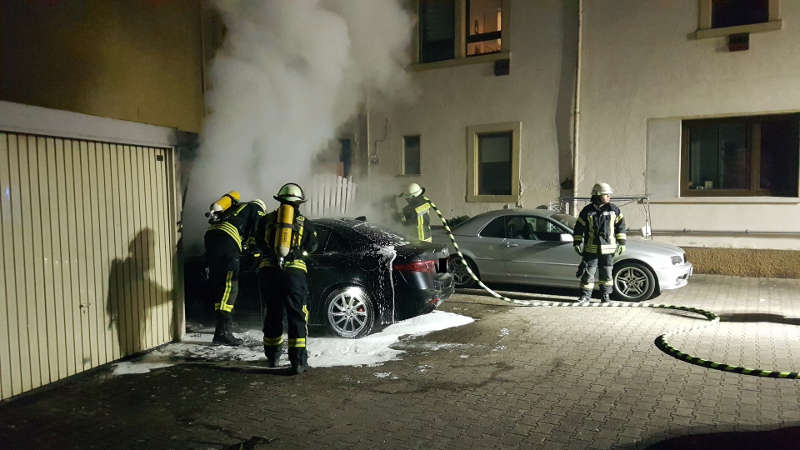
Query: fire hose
point(660, 342)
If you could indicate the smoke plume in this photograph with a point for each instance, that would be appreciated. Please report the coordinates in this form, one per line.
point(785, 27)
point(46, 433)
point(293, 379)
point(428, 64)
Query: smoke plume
point(289, 73)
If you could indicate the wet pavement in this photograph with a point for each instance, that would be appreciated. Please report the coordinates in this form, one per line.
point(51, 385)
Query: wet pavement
point(516, 377)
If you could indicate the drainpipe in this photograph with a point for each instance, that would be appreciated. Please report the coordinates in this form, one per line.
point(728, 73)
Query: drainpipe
point(576, 113)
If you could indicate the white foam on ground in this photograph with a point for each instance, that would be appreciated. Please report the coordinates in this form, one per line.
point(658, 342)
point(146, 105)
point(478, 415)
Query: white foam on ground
point(372, 350)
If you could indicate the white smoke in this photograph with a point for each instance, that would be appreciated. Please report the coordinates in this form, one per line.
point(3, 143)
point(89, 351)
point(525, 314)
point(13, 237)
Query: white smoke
point(289, 73)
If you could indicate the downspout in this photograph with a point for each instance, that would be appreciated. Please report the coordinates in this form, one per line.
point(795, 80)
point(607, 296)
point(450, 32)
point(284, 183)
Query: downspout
point(576, 113)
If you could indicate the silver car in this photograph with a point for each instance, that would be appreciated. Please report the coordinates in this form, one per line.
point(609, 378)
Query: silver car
point(534, 247)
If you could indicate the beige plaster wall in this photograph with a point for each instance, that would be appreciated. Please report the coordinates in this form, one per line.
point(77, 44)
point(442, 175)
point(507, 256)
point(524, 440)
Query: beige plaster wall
point(537, 93)
point(640, 64)
point(136, 60)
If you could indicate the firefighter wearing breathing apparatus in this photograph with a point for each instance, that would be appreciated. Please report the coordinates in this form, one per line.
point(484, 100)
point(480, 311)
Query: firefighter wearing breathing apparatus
point(417, 212)
point(601, 230)
point(232, 224)
point(285, 238)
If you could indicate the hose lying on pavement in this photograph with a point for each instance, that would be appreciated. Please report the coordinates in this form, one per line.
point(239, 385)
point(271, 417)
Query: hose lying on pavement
point(660, 342)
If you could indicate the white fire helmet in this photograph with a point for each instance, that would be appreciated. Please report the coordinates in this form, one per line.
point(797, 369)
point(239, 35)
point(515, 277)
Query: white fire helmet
point(290, 193)
point(414, 190)
point(602, 188)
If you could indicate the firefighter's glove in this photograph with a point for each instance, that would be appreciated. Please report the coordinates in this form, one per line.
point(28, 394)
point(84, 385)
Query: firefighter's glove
point(620, 249)
point(581, 269)
point(577, 249)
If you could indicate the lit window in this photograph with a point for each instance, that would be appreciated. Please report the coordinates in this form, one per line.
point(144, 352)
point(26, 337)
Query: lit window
point(411, 155)
point(484, 26)
point(457, 29)
point(741, 156)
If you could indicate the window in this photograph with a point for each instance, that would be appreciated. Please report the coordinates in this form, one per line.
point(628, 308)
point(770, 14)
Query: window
point(436, 30)
point(345, 157)
point(411, 155)
point(495, 229)
point(463, 30)
point(493, 163)
point(741, 156)
point(725, 17)
point(484, 26)
point(729, 13)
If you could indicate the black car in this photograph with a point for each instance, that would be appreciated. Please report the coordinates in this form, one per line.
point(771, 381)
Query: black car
point(362, 278)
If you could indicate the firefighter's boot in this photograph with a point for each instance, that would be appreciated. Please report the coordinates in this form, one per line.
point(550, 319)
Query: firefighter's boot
point(273, 354)
point(299, 359)
point(585, 298)
point(223, 335)
point(605, 297)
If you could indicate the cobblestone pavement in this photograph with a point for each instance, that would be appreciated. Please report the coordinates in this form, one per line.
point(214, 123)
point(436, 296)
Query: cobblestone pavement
point(516, 377)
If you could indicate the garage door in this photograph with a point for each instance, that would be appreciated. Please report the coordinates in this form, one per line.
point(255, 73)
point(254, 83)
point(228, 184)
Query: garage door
point(86, 249)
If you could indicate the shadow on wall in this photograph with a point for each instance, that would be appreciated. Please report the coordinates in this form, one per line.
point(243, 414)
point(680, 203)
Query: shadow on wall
point(133, 297)
point(744, 262)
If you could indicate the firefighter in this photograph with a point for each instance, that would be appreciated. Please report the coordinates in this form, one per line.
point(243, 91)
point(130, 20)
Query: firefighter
point(229, 231)
point(285, 239)
point(417, 212)
point(601, 230)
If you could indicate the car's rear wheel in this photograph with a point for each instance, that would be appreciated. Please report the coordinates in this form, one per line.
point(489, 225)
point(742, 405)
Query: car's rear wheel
point(633, 281)
point(350, 312)
point(461, 276)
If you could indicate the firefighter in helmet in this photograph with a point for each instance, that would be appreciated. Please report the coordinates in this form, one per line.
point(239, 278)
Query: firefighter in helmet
point(601, 230)
point(232, 224)
point(417, 212)
point(285, 239)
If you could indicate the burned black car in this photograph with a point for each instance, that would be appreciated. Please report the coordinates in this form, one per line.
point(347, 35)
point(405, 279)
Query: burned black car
point(362, 278)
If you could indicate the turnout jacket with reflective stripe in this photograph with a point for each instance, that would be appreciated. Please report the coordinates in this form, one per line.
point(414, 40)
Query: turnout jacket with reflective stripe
point(418, 214)
point(304, 241)
point(600, 228)
point(240, 224)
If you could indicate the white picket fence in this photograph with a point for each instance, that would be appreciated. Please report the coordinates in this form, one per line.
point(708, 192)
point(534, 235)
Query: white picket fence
point(330, 196)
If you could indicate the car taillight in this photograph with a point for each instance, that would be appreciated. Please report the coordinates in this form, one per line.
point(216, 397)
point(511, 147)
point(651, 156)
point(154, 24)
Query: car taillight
point(417, 266)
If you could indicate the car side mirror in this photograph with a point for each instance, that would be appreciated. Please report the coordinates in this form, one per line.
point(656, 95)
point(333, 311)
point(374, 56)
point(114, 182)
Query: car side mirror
point(564, 237)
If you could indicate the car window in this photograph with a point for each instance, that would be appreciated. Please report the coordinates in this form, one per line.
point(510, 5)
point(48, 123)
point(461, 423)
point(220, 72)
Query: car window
point(336, 243)
point(516, 227)
point(495, 229)
point(322, 238)
point(542, 229)
point(566, 219)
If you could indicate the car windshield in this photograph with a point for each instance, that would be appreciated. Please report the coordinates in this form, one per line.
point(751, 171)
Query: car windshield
point(565, 219)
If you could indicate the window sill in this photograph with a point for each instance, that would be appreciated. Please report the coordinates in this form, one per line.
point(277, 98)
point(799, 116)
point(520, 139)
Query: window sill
point(492, 198)
point(751, 28)
point(491, 57)
point(729, 200)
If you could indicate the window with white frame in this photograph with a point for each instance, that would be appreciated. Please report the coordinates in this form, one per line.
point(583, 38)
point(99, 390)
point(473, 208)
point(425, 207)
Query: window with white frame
point(411, 155)
point(493, 162)
point(741, 156)
point(725, 17)
point(462, 29)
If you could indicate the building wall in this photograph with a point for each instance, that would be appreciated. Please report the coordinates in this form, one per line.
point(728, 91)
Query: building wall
point(137, 60)
point(537, 93)
point(642, 73)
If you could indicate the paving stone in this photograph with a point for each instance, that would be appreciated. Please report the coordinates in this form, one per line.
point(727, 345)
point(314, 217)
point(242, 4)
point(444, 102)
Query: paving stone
point(570, 378)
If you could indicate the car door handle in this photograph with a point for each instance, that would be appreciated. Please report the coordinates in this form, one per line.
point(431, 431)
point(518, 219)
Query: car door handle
point(511, 244)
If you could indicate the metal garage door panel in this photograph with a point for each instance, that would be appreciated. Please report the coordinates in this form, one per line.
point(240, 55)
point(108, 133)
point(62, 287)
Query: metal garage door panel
point(86, 248)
